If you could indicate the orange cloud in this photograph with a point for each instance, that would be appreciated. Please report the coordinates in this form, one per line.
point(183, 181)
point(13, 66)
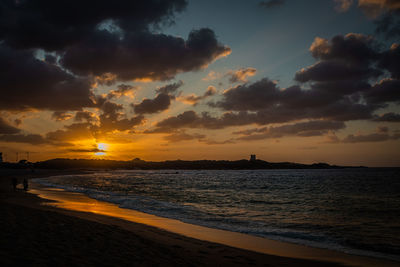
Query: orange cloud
point(241, 75)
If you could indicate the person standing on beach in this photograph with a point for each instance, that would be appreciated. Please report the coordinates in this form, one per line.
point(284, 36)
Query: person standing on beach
point(25, 184)
point(14, 183)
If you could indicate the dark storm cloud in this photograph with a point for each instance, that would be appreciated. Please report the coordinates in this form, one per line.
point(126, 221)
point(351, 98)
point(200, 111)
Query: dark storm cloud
point(85, 115)
point(389, 26)
point(90, 126)
point(302, 129)
point(85, 130)
point(271, 3)
point(183, 136)
point(255, 96)
point(188, 119)
point(169, 124)
point(272, 105)
point(343, 110)
point(26, 82)
point(333, 70)
point(123, 124)
point(48, 24)
point(111, 110)
point(50, 59)
point(143, 55)
point(6, 128)
point(352, 60)
point(339, 85)
point(339, 89)
point(123, 90)
point(91, 150)
point(33, 139)
point(387, 90)
point(159, 103)
point(388, 117)
point(116, 40)
point(11, 134)
point(74, 131)
point(391, 61)
point(61, 116)
point(112, 119)
point(343, 58)
point(169, 88)
point(352, 47)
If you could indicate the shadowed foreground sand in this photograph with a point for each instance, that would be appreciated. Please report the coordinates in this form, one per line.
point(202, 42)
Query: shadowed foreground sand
point(35, 234)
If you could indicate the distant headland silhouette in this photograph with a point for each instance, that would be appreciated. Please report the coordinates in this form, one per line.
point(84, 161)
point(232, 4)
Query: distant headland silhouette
point(252, 164)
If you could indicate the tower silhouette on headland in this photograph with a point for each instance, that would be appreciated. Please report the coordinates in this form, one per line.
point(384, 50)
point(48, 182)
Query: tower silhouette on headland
point(253, 157)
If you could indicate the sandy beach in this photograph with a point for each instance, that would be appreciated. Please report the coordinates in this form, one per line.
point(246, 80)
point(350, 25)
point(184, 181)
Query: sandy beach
point(37, 234)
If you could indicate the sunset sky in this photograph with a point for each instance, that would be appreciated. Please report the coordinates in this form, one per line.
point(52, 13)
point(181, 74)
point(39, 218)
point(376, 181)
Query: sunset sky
point(287, 80)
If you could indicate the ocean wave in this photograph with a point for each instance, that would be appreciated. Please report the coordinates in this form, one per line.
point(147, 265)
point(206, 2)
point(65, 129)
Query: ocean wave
point(235, 219)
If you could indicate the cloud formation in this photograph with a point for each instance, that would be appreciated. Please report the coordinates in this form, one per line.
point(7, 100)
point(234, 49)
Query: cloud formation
point(161, 102)
point(33, 139)
point(169, 88)
point(30, 83)
point(388, 117)
point(48, 25)
point(302, 129)
point(114, 41)
point(6, 128)
point(61, 116)
point(87, 116)
point(195, 99)
point(123, 90)
point(183, 136)
point(339, 87)
point(241, 75)
point(143, 55)
point(374, 8)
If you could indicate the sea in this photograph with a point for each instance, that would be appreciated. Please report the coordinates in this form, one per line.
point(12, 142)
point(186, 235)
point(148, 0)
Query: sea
point(355, 210)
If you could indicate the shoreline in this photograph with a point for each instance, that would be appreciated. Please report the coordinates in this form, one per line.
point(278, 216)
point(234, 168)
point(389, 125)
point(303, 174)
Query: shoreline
point(193, 244)
point(80, 202)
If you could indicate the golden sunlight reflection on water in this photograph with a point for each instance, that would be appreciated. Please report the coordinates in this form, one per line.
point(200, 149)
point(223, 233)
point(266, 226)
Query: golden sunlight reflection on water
point(80, 202)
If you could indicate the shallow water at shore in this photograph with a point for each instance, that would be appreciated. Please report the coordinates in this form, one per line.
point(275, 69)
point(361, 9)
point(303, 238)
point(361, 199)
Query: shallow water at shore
point(354, 211)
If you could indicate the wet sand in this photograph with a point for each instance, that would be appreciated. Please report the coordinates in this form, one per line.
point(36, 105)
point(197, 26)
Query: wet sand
point(37, 232)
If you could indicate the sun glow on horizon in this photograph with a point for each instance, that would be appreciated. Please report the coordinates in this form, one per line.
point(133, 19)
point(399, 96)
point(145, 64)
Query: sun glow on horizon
point(103, 147)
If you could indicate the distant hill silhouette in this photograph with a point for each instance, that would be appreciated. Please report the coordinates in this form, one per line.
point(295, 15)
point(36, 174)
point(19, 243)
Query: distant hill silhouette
point(60, 163)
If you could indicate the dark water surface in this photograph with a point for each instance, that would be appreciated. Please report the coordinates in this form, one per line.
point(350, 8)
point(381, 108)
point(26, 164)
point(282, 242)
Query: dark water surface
point(352, 210)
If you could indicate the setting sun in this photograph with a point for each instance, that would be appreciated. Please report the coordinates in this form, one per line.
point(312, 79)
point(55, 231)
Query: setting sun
point(103, 147)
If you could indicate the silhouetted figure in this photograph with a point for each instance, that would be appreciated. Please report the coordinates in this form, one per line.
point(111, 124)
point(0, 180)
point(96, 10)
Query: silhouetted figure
point(14, 183)
point(25, 184)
